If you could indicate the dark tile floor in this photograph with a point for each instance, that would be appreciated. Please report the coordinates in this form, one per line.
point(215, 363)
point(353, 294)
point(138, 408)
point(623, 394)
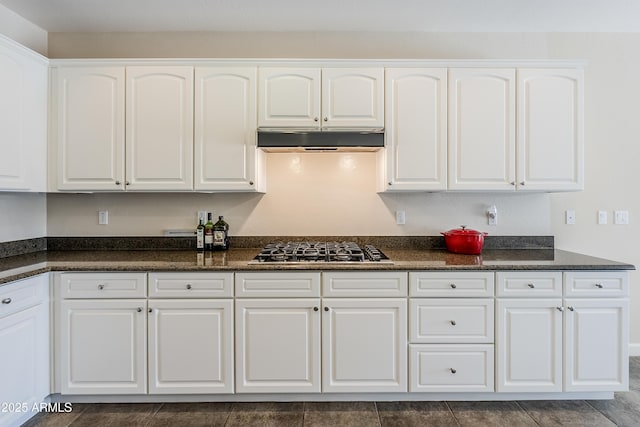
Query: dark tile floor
point(624, 410)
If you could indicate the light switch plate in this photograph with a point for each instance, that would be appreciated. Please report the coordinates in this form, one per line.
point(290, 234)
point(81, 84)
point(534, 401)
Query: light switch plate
point(602, 217)
point(570, 217)
point(621, 217)
point(103, 217)
point(400, 217)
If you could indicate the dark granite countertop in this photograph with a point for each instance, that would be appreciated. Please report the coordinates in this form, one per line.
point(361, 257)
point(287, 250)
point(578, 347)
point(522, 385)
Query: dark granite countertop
point(17, 267)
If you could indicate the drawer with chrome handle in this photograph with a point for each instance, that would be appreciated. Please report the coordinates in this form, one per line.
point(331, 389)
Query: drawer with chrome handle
point(596, 284)
point(451, 284)
point(451, 320)
point(529, 284)
point(22, 294)
point(101, 285)
point(191, 285)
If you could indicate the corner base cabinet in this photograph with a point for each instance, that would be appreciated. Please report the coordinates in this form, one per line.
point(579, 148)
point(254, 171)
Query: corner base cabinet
point(24, 348)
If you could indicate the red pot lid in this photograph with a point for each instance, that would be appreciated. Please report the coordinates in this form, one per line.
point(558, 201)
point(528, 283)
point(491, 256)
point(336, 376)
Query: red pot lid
point(463, 231)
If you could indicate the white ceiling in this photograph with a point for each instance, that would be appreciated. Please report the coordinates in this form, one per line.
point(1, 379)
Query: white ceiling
point(331, 15)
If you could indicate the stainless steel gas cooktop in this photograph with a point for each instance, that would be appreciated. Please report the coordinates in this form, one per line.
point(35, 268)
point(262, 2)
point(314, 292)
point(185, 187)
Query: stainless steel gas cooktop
point(333, 252)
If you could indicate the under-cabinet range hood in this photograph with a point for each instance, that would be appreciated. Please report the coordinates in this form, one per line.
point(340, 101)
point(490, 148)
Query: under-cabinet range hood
point(274, 140)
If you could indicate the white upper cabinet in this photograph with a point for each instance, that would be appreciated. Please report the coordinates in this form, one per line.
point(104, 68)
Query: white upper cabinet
point(23, 118)
point(289, 97)
point(315, 98)
point(90, 128)
point(159, 132)
point(416, 129)
point(482, 129)
point(353, 97)
point(550, 129)
point(226, 157)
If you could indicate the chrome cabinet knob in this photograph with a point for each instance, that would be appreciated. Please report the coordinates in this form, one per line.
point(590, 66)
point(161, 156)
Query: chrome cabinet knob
point(531, 285)
point(521, 182)
point(151, 310)
point(453, 322)
point(560, 309)
point(326, 119)
point(188, 285)
point(453, 371)
point(315, 309)
point(101, 286)
point(117, 182)
point(315, 119)
point(326, 309)
point(250, 182)
point(599, 285)
point(139, 310)
point(570, 308)
point(7, 301)
point(453, 285)
point(512, 183)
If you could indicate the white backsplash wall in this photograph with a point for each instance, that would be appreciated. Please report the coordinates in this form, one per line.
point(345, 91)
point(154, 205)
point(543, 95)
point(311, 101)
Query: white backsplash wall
point(22, 216)
point(311, 194)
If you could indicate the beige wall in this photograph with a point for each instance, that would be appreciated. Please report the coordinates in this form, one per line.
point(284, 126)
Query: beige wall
point(612, 88)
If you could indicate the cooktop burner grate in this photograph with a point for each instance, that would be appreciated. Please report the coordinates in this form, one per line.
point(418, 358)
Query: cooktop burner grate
point(334, 252)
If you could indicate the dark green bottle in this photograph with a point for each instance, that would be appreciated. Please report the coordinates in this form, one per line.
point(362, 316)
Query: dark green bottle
point(220, 235)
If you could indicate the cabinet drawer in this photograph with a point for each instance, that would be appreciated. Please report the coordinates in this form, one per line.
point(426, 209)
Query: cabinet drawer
point(277, 284)
point(191, 285)
point(451, 368)
point(596, 284)
point(23, 294)
point(451, 320)
point(365, 284)
point(529, 284)
point(451, 284)
point(102, 285)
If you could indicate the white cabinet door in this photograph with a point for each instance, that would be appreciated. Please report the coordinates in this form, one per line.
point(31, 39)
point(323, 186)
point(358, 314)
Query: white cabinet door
point(482, 131)
point(159, 131)
point(190, 346)
point(529, 345)
point(550, 129)
point(596, 345)
point(289, 97)
point(416, 129)
point(23, 118)
point(103, 346)
point(24, 340)
point(278, 345)
point(353, 97)
point(364, 345)
point(225, 129)
point(90, 128)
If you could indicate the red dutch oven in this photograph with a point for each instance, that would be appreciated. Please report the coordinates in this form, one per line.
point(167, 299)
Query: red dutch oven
point(464, 241)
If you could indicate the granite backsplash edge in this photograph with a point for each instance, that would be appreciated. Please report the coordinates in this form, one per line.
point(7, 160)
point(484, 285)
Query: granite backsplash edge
point(26, 246)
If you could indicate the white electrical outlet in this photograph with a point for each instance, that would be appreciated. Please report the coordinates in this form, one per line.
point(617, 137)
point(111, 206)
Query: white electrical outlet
point(400, 217)
point(602, 217)
point(570, 217)
point(103, 217)
point(492, 215)
point(621, 217)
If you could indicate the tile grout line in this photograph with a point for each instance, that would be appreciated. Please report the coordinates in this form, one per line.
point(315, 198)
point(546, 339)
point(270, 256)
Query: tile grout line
point(375, 405)
point(598, 410)
point(452, 413)
point(527, 412)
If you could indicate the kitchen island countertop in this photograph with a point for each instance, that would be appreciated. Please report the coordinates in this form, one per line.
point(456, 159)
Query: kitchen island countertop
point(18, 267)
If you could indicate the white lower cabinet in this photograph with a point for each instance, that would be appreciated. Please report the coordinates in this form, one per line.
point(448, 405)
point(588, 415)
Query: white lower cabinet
point(101, 328)
point(562, 344)
point(451, 367)
point(103, 346)
point(24, 344)
point(278, 345)
point(364, 345)
point(451, 331)
point(190, 346)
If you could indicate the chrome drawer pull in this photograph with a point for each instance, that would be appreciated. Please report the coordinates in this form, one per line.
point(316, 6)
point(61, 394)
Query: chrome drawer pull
point(6, 301)
point(189, 286)
point(599, 285)
point(453, 285)
point(453, 371)
point(101, 287)
point(453, 322)
point(139, 310)
point(531, 285)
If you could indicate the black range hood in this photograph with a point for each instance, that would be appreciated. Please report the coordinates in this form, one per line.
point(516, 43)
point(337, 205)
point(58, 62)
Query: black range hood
point(274, 140)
